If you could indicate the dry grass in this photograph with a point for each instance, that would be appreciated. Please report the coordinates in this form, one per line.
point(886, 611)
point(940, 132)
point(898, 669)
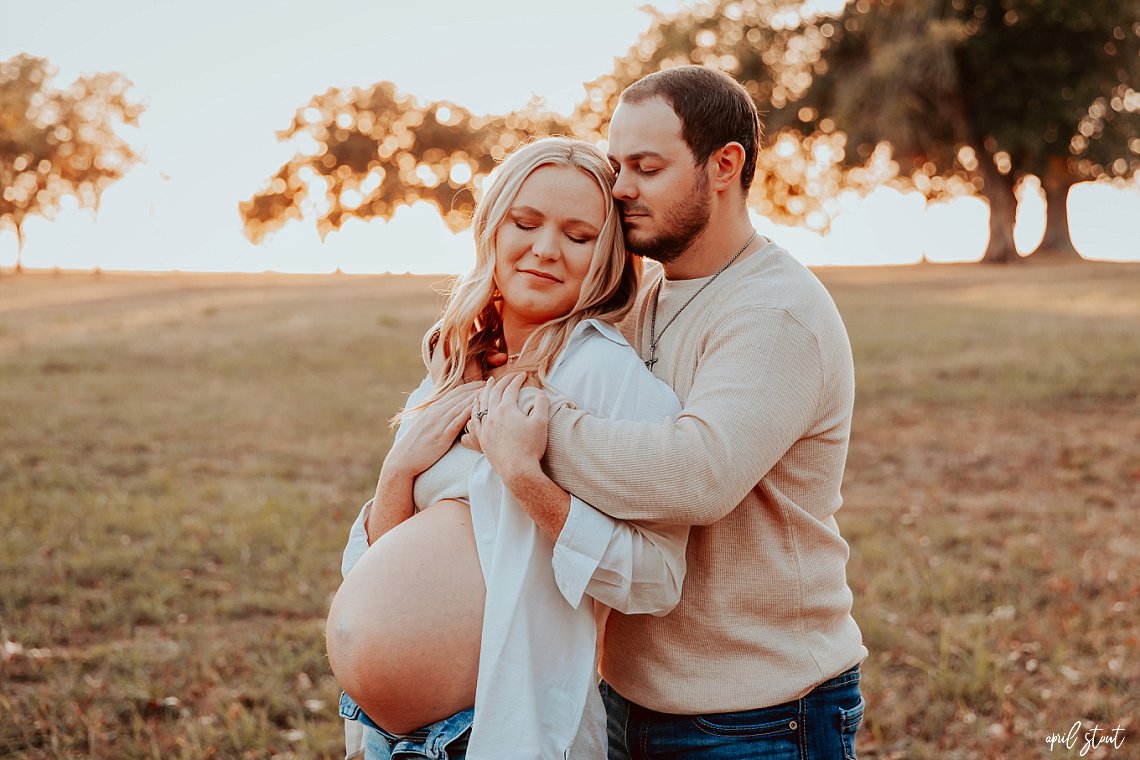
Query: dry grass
point(181, 457)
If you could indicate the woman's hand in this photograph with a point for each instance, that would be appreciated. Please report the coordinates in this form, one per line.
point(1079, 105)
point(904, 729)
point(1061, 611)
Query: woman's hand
point(427, 438)
point(512, 438)
point(431, 432)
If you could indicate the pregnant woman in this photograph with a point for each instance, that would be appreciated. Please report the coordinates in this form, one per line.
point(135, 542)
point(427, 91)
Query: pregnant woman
point(461, 629)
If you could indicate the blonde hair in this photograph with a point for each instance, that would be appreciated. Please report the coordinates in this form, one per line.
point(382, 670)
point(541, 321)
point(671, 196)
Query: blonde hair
point(472, 328)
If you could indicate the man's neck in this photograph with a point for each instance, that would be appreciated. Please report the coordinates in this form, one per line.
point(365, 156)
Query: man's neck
point(712, 249)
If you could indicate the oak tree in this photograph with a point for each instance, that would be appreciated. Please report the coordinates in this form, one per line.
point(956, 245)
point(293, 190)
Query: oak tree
point(58, 142)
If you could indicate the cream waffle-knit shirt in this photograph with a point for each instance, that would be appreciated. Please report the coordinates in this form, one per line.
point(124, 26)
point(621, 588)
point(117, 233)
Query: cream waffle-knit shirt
point(762, 365)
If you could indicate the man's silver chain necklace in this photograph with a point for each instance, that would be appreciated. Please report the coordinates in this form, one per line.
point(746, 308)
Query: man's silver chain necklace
point(657, 295)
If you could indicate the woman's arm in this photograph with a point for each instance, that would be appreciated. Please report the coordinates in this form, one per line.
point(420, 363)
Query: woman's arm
point(513, 439)
point(431, 432)
point(393, 502)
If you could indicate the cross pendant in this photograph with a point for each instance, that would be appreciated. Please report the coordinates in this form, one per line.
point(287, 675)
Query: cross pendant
point(649, 364)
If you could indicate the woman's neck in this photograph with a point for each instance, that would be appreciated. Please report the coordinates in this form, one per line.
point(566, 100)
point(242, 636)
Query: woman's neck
point(515, 334)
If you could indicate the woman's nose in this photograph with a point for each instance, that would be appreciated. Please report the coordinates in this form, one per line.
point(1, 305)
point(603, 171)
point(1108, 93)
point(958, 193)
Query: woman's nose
point(546, 244)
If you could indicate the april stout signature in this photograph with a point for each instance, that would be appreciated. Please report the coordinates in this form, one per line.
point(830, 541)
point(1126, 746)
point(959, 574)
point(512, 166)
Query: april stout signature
point(1087, 740)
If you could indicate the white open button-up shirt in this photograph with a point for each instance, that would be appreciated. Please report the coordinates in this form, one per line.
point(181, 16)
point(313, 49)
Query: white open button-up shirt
point(537, 690)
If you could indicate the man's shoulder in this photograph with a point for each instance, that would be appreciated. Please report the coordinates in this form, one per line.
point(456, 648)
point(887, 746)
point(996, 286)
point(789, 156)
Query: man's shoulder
point(774, 279)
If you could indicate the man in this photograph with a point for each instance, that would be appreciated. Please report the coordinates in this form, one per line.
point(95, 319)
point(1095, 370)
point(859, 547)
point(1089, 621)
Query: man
point(760, 658)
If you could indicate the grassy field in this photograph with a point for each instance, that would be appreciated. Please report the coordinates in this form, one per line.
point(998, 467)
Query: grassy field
point(181, 457)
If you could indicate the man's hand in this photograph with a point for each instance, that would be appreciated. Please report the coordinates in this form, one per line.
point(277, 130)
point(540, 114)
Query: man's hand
point(513, 439)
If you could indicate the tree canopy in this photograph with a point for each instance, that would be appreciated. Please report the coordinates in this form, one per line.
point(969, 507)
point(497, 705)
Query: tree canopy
point(364, 152)
point(55, 143)
point(946, 97)
point(976, 95)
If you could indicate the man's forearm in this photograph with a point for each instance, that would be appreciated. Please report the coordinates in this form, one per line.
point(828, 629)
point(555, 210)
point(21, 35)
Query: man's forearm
point(546, 503)
point(685, 480)
point(758, 388)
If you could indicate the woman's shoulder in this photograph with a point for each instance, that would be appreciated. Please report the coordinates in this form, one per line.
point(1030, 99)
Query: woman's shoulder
point(602, 374)
point(591, 341)
point(596, 335)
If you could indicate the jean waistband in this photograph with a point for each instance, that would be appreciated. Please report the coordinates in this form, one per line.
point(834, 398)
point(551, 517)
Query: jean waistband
point(847, 677)
point(440, 733)
point(851, 675)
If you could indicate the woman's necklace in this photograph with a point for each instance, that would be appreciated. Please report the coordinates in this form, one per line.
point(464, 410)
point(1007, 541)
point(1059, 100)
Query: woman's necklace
point(657, 295)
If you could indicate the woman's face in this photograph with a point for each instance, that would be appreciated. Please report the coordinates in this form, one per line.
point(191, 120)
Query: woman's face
point(545, 243)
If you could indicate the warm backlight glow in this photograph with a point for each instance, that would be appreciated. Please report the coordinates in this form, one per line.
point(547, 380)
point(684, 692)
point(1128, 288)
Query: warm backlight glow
point(217, 94)
point(1029, 227)
point(1103, 221)
point(887, 227)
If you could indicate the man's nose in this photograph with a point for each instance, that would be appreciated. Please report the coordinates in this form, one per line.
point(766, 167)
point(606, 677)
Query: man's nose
point(625, 189)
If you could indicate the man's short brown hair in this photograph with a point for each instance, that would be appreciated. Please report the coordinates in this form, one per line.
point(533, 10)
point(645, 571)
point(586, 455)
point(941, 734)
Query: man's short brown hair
point(714, 110)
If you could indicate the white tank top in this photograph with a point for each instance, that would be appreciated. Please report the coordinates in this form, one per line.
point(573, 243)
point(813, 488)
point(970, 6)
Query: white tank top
point(446, 479)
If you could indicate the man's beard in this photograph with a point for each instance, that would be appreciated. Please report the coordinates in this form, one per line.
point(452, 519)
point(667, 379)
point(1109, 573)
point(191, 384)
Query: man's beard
point(683, 223)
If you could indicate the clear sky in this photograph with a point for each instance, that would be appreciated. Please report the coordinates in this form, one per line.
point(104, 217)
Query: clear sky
point(219, 78)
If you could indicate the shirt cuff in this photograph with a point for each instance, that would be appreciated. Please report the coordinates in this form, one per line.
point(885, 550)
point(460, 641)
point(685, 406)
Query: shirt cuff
point(579, 549)
point(357, 541)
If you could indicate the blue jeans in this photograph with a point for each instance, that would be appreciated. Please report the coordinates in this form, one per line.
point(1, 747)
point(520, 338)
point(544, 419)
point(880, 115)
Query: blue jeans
point(443, 740)
point(819, 726)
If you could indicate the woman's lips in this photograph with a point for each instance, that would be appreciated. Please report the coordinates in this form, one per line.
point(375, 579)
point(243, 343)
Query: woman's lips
point(542, 275)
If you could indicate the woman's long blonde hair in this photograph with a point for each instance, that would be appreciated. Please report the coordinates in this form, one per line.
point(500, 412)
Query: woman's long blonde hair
point(472, 328)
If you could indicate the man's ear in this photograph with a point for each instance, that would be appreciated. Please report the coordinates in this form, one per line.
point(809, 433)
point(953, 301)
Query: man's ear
point(725, 165)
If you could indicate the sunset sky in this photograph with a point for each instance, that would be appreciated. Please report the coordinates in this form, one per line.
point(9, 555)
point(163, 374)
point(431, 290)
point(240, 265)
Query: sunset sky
point(219, 78)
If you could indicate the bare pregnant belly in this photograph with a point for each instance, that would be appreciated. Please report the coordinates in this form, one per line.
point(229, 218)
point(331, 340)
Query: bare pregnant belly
point(404, 628)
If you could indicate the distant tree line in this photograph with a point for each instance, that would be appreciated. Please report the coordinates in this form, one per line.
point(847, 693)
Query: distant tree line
point(945, 97)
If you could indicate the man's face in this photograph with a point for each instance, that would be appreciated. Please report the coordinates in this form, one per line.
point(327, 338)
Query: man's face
point(664, 198)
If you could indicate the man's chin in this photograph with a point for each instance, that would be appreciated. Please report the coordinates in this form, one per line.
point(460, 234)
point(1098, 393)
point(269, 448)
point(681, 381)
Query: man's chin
point(658, 249)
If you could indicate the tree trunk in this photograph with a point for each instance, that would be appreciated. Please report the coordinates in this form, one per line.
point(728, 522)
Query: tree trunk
point(19, 249)
point(998, 192)
point(1057, 243)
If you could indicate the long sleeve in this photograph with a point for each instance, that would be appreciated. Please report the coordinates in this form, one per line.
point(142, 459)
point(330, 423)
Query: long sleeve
point(635, 568)
point(632, 567)
point(762, 365)
point(357, 537)
point(756, 389)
